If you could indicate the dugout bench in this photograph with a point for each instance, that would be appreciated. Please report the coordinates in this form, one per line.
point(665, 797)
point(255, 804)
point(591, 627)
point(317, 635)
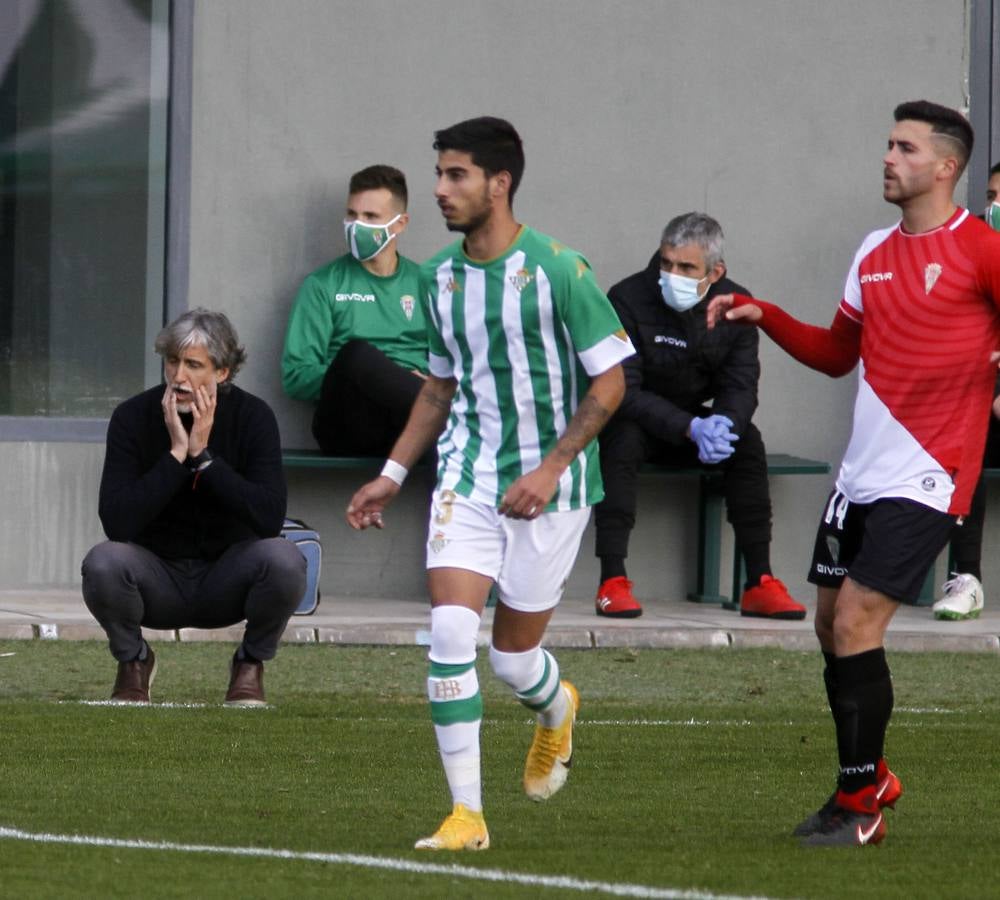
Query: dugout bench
point(710, 507)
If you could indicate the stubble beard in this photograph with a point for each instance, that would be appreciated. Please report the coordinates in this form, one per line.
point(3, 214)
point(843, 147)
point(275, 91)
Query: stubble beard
point(477, 218)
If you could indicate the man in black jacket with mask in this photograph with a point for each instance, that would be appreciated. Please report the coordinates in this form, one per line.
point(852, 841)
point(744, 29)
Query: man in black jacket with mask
point(679, 368)
point(192, 500)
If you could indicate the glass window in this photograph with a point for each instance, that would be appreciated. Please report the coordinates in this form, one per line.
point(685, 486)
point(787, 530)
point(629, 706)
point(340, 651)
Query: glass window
point(83, 148)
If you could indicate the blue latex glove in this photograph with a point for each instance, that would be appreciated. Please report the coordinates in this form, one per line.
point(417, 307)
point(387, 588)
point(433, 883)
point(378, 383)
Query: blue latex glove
point(713, 437)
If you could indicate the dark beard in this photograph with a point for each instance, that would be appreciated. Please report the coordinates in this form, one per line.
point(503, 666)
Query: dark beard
point(467, 228)
point(478, 219)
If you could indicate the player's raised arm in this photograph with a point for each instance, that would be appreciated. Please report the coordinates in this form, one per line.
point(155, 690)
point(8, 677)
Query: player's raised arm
point(724, 306)
point(833, 351)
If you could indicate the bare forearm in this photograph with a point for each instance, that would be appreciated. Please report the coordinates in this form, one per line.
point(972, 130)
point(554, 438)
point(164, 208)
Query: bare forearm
point(599, 404)
point(427, 420)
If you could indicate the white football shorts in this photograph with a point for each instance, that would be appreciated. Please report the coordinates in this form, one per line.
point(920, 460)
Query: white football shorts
point(529, 560)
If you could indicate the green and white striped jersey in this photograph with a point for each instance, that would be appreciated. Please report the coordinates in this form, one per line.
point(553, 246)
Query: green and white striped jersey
point(522, 334)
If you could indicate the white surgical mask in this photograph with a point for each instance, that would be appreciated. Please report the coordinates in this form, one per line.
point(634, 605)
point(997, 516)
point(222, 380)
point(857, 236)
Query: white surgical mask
point(680, 292)
point(367, 241)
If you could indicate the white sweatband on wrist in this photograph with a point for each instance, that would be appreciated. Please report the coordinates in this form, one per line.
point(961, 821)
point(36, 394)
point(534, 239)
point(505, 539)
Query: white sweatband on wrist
point(394, 471)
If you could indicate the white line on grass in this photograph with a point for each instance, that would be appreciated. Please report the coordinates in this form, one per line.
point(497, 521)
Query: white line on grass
point(728, 723)
point(118, 704)
point(380, 862)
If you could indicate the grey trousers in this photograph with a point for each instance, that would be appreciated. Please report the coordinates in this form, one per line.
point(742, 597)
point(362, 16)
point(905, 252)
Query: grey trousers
point(126, 586)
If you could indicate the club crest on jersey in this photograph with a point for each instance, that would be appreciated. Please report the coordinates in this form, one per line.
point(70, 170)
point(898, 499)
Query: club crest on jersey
point(406, 301)
point(931, 274)
point(521, 279)
point(452, 286)
point(928, 484)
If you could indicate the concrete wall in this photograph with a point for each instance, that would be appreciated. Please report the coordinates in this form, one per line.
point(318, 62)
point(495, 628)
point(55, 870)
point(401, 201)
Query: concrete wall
point(771, 115)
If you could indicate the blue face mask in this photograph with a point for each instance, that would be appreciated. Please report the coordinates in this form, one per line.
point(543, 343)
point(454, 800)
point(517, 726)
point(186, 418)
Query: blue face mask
point(680, 292)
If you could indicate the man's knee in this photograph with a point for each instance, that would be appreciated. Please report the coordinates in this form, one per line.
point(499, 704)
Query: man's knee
point(284, 567)
point(354, 356)
point(860, 619)
point(105, 568)
point(110, 580)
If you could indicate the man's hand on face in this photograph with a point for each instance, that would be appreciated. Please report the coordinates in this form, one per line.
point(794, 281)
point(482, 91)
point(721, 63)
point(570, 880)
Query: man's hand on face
point(175, 428)
point(203, 412)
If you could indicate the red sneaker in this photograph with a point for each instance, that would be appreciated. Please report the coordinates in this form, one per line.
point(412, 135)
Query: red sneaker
point(770, 600)
point(889, 788)
point(614, 599)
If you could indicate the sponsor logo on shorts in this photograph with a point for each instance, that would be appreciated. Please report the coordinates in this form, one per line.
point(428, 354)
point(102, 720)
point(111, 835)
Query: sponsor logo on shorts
point(928, 484)
point(833, 548)
point(438, 542)
point(667, 339)
point(823, 569)
point(354, 298)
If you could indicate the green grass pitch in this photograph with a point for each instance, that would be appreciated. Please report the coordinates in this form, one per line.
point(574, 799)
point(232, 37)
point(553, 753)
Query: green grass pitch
point(691, 769)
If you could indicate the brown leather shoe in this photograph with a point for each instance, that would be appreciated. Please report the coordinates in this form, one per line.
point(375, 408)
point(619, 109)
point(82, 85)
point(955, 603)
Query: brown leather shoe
point(134, 679)
point(246, 683)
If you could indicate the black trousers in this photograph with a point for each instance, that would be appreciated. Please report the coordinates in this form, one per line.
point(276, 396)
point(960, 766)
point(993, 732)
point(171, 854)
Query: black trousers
point(364, 402)
point(967, 538)
point(126, 586)
point(625, 445)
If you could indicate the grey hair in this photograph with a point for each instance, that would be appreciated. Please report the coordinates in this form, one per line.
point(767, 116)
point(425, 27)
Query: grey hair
point(204, 328)
point(696, 228)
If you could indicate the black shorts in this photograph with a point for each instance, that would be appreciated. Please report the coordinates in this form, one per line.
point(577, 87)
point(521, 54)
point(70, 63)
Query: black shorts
point(889, 545)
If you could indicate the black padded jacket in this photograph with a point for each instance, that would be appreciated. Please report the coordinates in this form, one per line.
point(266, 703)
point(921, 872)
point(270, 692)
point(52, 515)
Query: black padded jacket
point(679, 365)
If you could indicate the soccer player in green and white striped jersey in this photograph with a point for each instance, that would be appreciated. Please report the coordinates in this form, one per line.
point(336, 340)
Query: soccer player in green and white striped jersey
point(525, 369)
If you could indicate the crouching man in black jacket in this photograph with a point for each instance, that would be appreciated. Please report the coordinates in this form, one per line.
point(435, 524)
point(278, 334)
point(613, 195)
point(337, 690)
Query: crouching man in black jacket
point(193, 498)
point(678, 369)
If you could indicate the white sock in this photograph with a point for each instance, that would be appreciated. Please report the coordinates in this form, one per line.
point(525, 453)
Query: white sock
point(534, 677)
point(456, 704)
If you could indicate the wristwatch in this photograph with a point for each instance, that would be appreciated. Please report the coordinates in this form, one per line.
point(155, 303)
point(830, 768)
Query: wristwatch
point(199, 462)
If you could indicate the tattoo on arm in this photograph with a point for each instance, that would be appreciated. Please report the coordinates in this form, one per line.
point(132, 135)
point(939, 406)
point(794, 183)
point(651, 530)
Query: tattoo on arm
point(438, 401)
point(590, 417)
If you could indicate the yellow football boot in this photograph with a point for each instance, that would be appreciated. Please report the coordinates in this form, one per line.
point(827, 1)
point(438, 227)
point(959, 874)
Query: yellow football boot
point(551, 753)
point(462, 830)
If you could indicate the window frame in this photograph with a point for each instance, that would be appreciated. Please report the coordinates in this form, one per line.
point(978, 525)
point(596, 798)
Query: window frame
point(178, 216)
point(984, 98)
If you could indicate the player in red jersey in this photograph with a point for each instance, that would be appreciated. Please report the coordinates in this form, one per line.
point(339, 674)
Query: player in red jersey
point(921, 312)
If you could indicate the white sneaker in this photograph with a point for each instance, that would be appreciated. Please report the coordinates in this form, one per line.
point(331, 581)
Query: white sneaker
point(963, 598)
